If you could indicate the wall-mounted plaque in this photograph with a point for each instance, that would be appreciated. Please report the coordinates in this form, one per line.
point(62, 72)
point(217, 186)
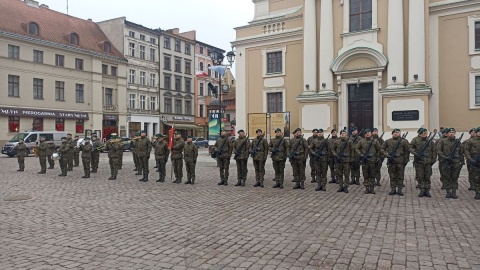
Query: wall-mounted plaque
point(412, 115)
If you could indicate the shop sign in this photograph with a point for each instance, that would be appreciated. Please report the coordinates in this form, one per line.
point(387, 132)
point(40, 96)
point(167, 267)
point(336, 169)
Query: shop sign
point(178, 118)
point(42, 113)
point(110, 117)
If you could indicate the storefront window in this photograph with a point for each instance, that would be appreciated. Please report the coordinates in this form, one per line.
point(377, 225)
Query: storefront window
point(60, 124)
point(13, 123)
point(37, 124)
point(79, 126)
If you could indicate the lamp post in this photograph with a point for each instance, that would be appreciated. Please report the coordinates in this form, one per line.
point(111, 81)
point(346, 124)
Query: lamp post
point(217, 60)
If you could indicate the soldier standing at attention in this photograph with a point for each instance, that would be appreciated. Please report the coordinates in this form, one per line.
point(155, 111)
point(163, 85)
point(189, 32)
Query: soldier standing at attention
point(465, 146)
point(161, 152)
point(355, 167)
point(310, 140)
point(42, 155)
point(76, 153)
point(298, 151)
point(423, 161)
point(20, 149)
point(444, 132)
point(259, 151)
point(379, 162)
point(177, 156)
point(343, 152)
point(472, 154)
point(396, 160)
point(451, 153)
point(96, 146)
point(143, 147)
point(86, 149)
point(319, 154)
point(224, 148)
point(133, 149)
point(279, 148)
point(114, 147)
point(331, 160)
point(71, 143)
point(190, 154)
point(241, 148)
point(50, 151)
point(64, 151)
point(368, 149)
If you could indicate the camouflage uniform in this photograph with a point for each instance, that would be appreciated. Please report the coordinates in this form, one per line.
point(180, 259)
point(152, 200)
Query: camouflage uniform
point(71, 143)
point(298, 151)
point(21, 154)
point(143, 148)
point(190, 154)
point(331, 160)
point(95, 154)
point(76, 154)
point(451, 169)
point(472, 154)
point(259, 144)
point(423, 164)
point(440, 161)
point(320, 160)
point(355, 164)
point(223, 158)
point(177, 162)
point(396, 165)
point(241, 147)
point(51, 149)
point(161, 153)
point(343, 147)
point(86, 158)
point(42, 156)
point(313, 172)
point(280, 145)
point(379, 162)
point(369, 161)
point(467, 145)
point(133, 149)
point(114, 150)
point(64, 151)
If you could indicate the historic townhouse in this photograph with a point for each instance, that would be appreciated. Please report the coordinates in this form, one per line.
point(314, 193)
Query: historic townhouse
point(368, 63)
point(58, 73)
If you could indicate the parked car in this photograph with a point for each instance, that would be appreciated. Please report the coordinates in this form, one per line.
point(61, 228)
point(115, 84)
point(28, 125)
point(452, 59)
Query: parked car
point(30, 138)
point(200, 142)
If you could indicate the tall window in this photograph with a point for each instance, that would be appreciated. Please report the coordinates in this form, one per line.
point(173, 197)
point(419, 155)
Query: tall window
point(188, 67)
point(79, 93)
point(188, 107)
point(131, 34)
point(105, 69)
point(37, 88)
point(201, 66)
point(168, 105)
point(167, 62)
point(131, 76)
point(274, 62)
point(201, 50)
point(178, 83)
point(153, 103)
point(37, 56)
point(209, 71)
point(152, 55)
point(201, 89)
point(188, 83)
point(166, 42)
point(187, 48)
point(108, 96)
point(13, 123)
point(142, 52)
point(275, 102)
point(107, 47)
point(74, 39)
point(13, 86)
point(143, 78)
point(114, 71)
point(131, 48)
point(59, 124)
point(178, 65)
point(360, 15)
point(78, 64)
point(59, 91)
point(177, 45)
point(477, 90)
point(166, 82)
point(33, 29)
point(142, 102)
point(178, 106)
point(142, 37)
point(13, 51)
point(59, 60)
point(153, 79)
point(132, 101)
point(201, 110)
point(153, 41)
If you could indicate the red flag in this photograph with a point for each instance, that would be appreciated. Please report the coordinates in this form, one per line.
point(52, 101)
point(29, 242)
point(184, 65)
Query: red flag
point(170, 137)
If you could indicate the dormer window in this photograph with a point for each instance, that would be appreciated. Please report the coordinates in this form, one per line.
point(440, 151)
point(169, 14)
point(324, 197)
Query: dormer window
point(107, 47)
point(33, 29)
point(74, 39)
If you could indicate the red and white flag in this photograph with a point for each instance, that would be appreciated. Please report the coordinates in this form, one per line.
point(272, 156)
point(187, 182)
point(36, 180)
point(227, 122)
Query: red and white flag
point(171, 133)
point(201, 74)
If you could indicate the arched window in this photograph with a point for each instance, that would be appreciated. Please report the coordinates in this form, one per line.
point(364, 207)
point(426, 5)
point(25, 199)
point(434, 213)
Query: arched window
point(33, 29)
point(201, 66)
point(74, 39)
point(209, 71)
point(107, 47)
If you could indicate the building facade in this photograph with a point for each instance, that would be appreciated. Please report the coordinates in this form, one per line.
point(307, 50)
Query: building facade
point(59, 73)
point(365, 63)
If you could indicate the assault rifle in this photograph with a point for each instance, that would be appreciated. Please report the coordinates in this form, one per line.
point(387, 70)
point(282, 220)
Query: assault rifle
point(239, 149)
point(366, 156)
point(341, 154)
point(449, 159)
point(295, 152)
point(392, 155)
point(476, 161)
point(255, 150)
point(320, 152)
point(421, 153)
point(379, 159)
point(218, 152)
point(276, 149)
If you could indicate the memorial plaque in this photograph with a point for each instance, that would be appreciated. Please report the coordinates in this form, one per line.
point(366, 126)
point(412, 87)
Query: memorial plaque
point(412, 115)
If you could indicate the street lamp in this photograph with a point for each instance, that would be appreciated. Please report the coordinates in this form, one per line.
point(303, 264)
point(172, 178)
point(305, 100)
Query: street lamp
point(217, 60)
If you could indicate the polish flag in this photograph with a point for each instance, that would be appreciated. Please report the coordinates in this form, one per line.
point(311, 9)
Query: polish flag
point(170, 138)
point(201, 74)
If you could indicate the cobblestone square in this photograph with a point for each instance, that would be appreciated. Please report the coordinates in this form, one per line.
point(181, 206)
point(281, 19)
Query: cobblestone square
point(49, 222)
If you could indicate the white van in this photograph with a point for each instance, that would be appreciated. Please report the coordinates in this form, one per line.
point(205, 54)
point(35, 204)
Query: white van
point(30, 137)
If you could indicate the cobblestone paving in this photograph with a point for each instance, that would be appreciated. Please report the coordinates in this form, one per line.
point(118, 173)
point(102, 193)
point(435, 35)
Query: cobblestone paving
point(74, 223)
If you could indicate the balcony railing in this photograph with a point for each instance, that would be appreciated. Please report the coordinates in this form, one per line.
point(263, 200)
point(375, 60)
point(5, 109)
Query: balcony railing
point(109, 107)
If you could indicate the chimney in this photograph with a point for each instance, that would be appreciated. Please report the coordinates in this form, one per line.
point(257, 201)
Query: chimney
point(44, 6)
point(32, 3)
point(89, 19)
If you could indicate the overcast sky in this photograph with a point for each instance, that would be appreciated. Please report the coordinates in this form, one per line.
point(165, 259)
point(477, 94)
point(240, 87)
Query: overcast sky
point(213, 20)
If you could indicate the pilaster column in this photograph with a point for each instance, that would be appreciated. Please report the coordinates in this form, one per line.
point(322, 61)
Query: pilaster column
point(310, 47)
point(326, 45)
point(416, 41)
point(395, 43)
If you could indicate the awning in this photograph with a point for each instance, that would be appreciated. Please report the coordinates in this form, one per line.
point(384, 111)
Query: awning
point(186, 126)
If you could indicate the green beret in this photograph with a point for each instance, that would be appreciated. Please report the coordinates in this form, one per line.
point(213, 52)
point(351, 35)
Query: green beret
point(87, 138)
point(421, 130)
point(343, 131)
point(137, 133)
point(320, 130)
point(142, 131)
point(258, 130)
point(224, 130)
point(64, 138)
point(451, 129)
point(472, 130)
point(296, 130)
point(354, 128)
point(375, 129)
point(395, 130)
point(278, 130)
point(94, 136)
point(477, 130)
point(367, 130)
point(315, 130)
point(69, 134)
point(241, 130)
point(159, 135)
point(189, 137)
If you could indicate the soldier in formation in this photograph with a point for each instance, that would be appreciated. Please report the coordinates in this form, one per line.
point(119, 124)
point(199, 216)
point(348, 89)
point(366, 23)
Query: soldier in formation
point(223, 153)
point(51, 149)
point(143, 148)
point(190, 155)
point(331, 160)
point(71, 144)
point(379, 161)
point(368, 150)
point(342, 152)
point(440, 159)
point(397, 151)
point(319, 150)
point(425, 155)
point(177, 157)
point(161, 153)
point(241, 148)
point(21, 150)
point(466, 145)
point(42, 155)
point(86, 149)
point(259, 152)
point(451, 153)
point(297, 154)
point(472, 155)
point(64, 151)
point(115, 148)
point(355, 164)
point(76, 152)
point(310, 140)
point(133, 150)
point(279, 148)
point(97, 146)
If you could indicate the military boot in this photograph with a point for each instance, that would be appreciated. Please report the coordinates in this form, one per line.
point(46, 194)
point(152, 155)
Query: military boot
point(377, 183)
point(193, 181)
point(243, 182)
point(85, 176)
point(422, 192)
point(345, 189)
point(281, 184)
point(112, 178)
point(302, 185)
point(221, 182)
point(372, 190)
point(454, 194)
point(357, 181)
point(319, 188)
point(367, 190)
point(277, 185)
point(313, 180)
point(257, 184)
point(400, 192)
point(449, 194)
point(94, 170)
point(139, 172)
point(177, 181)
point(160, 179)
point(41, 172)
point(297, 185)
point(225, 182)
point(477, 195)
point(189, 181)
point(340, 189)
point(146, 178)
point(393, 191)
point(427, 193)
point(51, 167)
point(333, 181)
point(143, 178)
point(136, 169)
point(261, 184)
